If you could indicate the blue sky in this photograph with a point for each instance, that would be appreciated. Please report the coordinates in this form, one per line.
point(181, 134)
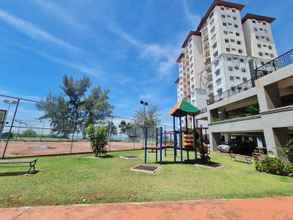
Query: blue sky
point(128, 46)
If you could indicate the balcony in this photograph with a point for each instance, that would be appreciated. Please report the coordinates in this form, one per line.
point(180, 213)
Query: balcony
point(268, 68)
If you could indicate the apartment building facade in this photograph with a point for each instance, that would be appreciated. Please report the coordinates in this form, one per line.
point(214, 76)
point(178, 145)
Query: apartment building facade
point(221, 53)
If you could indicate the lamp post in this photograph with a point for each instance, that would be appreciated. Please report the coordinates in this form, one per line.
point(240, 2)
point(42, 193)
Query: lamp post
point(145, 104)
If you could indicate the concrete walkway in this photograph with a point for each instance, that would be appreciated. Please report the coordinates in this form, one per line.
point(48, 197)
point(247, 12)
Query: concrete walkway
point(256, 209)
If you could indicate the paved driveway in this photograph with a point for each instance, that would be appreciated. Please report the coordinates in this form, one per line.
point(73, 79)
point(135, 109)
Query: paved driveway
point(256, 209)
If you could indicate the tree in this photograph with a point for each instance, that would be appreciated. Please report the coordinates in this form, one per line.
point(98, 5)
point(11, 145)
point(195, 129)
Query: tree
point(124, 126)
point(77, 107)
point(112, 129)
point(29, 133)
point(147, 117)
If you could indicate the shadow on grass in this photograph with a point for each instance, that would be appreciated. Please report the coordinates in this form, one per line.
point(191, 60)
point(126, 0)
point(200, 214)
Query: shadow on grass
point(17, 173)
point(193, 162)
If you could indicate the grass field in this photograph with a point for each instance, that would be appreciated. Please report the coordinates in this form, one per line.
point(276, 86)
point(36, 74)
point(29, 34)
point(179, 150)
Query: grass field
point(81, 179)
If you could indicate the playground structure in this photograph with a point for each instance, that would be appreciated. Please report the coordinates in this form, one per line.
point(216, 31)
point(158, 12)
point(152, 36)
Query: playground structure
point(186, 139)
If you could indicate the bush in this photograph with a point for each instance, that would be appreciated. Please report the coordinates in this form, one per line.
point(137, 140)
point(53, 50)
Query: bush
point(289, 169)
point(98, 139)
point(288, 151)
point(271, 165)
point(29, 133)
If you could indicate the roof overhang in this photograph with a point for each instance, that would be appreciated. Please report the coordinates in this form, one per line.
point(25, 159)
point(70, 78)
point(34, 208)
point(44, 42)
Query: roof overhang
point(190, 34)
point(180, 57)
point(218, 3)
point(258, 17)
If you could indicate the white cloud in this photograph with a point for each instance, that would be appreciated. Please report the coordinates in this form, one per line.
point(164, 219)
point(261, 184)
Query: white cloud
point(191, 17)
point(63, 14)
point(164, 56)
point(34, 32)
point(93, 71)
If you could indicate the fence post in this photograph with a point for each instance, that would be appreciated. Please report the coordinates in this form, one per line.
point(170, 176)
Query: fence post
point(157, 144)
point(145, 144)
point(10, 129)
point(161, 144)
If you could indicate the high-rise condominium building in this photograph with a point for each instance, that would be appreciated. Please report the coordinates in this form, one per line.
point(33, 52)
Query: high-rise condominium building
point(221, 52)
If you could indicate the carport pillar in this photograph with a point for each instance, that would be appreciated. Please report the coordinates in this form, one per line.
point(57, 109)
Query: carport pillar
point(215, 140)
point(275, 138)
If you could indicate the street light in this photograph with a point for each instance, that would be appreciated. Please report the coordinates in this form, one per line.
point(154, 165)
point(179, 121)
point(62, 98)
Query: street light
point(145, 104)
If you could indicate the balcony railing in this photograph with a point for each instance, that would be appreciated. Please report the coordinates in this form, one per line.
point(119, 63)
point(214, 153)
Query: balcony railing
point(270, 67)
point(231, 92)
point(274, 65)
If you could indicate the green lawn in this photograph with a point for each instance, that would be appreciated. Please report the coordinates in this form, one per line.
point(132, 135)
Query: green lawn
point(80, 179)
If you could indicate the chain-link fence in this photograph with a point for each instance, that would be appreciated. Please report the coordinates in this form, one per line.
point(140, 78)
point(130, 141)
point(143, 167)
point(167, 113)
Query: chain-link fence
point(24, 133)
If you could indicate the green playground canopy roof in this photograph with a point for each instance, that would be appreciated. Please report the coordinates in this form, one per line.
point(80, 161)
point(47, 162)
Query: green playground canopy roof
point(184, 108)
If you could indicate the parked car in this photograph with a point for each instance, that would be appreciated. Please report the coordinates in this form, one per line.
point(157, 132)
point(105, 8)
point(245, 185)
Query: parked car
point(224, 148)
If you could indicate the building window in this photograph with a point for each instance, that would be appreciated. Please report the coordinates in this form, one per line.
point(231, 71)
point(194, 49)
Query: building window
point(220, 92)
point(226, 40)
point(259, 45)
point(229, 58)
point(260, 54)
point(216, 54)
point(223, 16)
point(228, 49)
point(217, 72)
point(234, 18)
point(232, 78)
point(242, 60)
point(215, 45)
point(270, 47)
point(230, 68)
point(236, 67)
point(236, 25)
point(239, 42)
point(244, 79)
point(218, 81)
point(237, 34)
point(224, 24)
point(243, 70)
point(233, 10)
point(240, 51)
point(225, 32)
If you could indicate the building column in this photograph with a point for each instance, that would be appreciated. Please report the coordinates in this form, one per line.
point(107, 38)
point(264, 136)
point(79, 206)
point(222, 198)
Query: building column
point(275, 138)
point(268, 97)
point(215, 140)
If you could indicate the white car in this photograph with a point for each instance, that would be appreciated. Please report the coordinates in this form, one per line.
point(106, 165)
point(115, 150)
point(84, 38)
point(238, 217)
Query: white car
point(224, 148)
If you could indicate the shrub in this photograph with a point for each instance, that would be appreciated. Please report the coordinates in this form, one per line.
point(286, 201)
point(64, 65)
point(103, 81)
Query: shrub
point(29, 133)
point(98, 139)
point(289, 169)
point(288, 151)
point(271, 165)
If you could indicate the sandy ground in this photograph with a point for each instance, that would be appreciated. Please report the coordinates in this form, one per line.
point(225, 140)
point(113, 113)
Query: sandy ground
point(32, 148)
point(260, 209)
